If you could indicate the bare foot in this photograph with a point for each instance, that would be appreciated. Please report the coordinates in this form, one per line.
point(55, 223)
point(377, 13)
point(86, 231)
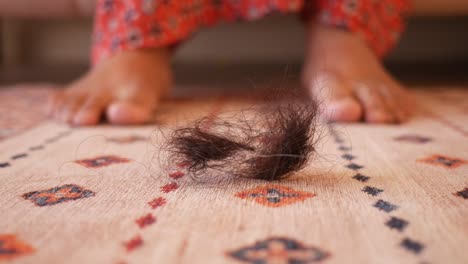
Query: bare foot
point(126, 88)
point(348, 80)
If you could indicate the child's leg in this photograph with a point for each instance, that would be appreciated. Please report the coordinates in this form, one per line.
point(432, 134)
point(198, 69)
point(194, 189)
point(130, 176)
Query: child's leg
point(132, 67)
point(342, 68)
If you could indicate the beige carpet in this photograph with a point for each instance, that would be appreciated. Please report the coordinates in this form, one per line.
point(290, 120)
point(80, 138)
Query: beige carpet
point(372, 194)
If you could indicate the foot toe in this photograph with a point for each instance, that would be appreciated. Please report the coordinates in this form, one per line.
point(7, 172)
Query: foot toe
point(335, 98)
point(90, 112)
point(129, 113)
point(343, 110)
point(69, 108)
point(55, 105)
point(375, 108)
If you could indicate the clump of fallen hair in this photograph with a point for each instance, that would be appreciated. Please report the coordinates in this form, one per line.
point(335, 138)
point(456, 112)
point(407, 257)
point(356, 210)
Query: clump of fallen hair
point(278, 140)
point(287, 143)
point(198, 148)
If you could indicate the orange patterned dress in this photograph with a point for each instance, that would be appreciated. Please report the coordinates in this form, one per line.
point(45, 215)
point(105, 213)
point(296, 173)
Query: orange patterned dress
point(132, 24)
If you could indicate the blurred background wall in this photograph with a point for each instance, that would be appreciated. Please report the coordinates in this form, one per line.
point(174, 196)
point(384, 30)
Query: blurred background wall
point(53, 43)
